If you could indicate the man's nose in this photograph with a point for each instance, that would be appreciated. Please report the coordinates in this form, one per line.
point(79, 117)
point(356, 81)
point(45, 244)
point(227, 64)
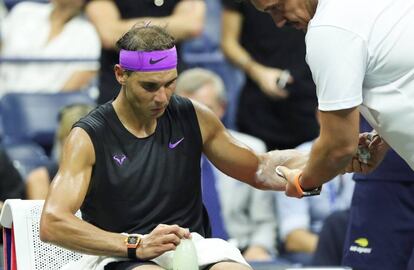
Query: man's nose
point(161, 95)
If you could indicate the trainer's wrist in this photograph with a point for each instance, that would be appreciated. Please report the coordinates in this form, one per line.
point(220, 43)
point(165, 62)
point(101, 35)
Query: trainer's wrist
point(303, 192)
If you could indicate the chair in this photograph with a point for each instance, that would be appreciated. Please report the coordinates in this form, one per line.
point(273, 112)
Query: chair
point(23, 249)
point(33, 117)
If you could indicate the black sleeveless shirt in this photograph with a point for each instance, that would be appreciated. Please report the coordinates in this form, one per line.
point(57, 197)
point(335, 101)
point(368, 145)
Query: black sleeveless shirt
point(138, 183)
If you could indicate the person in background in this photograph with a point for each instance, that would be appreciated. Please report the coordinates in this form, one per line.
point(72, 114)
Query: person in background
point(3, 12)
point(249, 217)
point(283, 116)
point(38, 180)
point(51, 47)
point(183, 19)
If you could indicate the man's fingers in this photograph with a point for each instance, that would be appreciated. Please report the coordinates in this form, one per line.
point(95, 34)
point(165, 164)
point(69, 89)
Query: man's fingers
point(170, 238)
point(175, 229)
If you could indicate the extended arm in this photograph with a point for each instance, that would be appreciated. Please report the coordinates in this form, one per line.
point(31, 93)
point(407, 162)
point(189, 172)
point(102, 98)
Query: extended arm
point(331, 153)
point(240, 162)
point(339, 77)
point(334, 149)
point(186, 21)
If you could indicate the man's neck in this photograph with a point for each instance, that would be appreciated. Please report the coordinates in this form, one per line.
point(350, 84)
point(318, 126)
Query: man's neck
point(133, 121)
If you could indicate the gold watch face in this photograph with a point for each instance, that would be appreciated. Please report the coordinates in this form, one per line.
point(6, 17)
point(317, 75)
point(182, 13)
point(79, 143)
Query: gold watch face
point(132, 240)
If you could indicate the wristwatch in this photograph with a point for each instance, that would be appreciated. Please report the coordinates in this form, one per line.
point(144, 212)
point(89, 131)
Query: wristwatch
point(306, 192)
point(132, 242)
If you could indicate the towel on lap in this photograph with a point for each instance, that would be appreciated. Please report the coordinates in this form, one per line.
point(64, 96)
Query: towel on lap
point(209, 250)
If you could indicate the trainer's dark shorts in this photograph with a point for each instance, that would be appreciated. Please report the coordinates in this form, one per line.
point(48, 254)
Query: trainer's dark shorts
point(381, 230)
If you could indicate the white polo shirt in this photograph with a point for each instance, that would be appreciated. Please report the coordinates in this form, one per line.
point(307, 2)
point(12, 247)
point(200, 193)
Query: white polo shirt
point(362, 53)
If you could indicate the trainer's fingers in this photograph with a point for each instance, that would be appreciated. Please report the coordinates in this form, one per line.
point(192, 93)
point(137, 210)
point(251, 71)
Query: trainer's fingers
point(376, 140)
point(356, 165)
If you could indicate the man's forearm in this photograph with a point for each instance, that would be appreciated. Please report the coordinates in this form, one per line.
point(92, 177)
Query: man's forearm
point(75, 234)
point(325, 162)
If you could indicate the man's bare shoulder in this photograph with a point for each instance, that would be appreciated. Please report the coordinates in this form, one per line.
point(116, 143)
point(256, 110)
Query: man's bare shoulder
point(79, 147)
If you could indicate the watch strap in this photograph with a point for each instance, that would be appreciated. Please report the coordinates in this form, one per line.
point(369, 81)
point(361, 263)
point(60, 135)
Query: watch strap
point(132, 248)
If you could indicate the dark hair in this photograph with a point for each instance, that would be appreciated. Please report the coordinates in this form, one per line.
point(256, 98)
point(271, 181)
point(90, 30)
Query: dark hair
point(146, 38)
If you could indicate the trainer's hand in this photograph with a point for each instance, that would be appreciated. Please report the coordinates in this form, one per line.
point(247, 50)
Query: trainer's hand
point(162, 239)
point(377, 148)
point(267, 176)
point(289, 175)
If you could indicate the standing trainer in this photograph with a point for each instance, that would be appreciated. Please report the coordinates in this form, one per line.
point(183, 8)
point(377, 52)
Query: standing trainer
point(360, 55)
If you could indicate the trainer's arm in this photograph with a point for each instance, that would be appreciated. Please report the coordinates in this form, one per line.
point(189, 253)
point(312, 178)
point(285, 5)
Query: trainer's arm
point(334, 148)
point(186, 21)
point(58, 223)
point(237, 160)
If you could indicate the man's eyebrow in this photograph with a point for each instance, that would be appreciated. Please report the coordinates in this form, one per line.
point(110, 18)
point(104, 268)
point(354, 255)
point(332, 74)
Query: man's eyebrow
point(172, 80)
point(156, 83)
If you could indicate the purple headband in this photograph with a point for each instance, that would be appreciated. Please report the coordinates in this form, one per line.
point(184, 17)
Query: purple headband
point(148, 61)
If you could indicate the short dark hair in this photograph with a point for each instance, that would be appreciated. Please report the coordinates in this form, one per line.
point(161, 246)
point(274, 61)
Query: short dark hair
point(146, 38)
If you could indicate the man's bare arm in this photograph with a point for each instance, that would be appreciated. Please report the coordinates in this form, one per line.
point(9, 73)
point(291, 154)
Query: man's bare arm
point(240, 162)
point(58, 224)
point(186, 21)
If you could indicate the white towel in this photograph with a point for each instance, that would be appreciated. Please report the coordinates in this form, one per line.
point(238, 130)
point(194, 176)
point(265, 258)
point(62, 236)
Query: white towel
point(210, 250)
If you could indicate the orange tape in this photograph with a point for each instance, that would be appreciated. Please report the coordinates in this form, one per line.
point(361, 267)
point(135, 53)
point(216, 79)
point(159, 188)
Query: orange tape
point(297, 184)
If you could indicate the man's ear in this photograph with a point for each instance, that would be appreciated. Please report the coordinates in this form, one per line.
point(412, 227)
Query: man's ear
point(120, 74)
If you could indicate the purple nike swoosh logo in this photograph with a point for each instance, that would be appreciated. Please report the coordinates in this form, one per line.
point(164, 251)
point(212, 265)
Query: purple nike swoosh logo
point(154, 61)
point(174, 145)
